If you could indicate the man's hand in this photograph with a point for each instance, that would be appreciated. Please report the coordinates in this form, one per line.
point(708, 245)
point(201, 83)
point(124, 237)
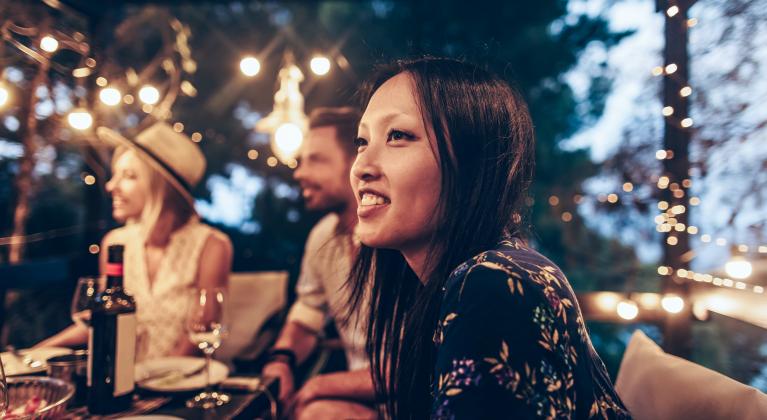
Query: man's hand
point(281, 370)
point(310, 391)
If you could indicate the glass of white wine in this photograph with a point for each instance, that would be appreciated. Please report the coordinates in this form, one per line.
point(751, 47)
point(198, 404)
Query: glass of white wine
point(82, 301)
point(206, 329)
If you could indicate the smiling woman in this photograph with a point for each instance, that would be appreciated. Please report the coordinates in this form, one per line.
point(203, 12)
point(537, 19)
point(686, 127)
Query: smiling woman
point(168, 252)
point(465, 320)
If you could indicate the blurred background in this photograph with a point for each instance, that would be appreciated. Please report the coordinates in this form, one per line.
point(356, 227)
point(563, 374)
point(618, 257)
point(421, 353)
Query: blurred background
point(650, 179)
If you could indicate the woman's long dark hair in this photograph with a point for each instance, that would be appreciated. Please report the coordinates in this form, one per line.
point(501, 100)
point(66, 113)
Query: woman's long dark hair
point(484, 137)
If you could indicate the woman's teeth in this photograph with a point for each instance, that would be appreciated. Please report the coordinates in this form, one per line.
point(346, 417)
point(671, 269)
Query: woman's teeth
point(372, 200)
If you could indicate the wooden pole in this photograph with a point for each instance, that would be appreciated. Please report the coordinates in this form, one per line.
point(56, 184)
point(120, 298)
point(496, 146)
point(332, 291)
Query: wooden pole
point(676, 139)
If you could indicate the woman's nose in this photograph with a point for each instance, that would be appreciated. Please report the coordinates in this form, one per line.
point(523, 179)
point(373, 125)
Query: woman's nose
point(110, 185)
point(365, 168)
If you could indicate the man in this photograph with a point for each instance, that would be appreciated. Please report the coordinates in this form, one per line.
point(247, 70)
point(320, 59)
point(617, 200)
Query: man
point(323, 173)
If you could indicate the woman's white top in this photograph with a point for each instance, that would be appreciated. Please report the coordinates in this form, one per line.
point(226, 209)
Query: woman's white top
point(161, 306)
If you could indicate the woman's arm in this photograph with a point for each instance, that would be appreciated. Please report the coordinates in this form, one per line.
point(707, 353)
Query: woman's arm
point(213, 272)
point(77, 335)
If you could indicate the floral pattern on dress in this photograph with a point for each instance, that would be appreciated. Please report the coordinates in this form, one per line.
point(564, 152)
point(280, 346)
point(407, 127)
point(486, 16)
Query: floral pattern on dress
point(511, 343)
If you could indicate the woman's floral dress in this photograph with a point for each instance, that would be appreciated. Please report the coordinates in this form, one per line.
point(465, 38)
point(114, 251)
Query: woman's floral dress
point(511, 343)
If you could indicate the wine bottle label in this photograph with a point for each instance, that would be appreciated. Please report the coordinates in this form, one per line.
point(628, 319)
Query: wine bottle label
point(90, 357)
point(114, 269)
point(125, 354)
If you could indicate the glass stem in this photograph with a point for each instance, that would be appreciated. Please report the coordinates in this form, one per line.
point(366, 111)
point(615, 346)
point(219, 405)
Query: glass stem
point(208, 356)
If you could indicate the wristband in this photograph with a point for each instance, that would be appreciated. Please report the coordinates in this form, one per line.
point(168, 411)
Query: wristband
point(274, 354)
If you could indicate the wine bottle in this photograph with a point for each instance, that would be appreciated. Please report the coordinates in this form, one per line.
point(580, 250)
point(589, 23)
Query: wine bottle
point(112, 342)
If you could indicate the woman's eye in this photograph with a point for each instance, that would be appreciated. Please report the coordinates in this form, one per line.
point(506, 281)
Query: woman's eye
point(399, 135)
point(359, 142)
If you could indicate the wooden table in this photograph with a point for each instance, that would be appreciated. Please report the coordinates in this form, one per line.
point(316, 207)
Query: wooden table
point(244, 404)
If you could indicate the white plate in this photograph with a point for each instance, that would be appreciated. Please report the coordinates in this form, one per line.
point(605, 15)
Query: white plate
point(14, 366)
point(182, 365)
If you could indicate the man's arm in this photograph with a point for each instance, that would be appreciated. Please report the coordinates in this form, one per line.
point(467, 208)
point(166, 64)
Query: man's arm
point(353, 385)
point(301, 341)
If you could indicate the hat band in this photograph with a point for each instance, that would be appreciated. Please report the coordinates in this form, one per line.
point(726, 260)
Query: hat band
point(185, 185)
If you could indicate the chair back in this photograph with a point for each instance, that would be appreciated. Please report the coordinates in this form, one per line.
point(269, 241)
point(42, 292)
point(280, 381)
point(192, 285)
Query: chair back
point(253, 298)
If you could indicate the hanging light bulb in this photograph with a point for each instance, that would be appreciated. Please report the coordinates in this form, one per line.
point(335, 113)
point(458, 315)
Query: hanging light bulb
point(738, 267)
point(80, 119)
point(250, 66)
point(149, 95)
point(627, 310)
point(320, 65)
point(110, 96)
point(49, 44)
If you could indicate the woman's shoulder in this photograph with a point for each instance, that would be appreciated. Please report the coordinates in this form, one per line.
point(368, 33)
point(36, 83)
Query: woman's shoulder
point(511, 259)
point(121, 235)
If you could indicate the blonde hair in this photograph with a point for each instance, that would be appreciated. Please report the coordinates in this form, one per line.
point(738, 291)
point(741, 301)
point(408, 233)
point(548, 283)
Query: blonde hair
point(161, 196)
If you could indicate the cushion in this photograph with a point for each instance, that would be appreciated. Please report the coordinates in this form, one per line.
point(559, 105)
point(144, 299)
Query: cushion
point(655, 385)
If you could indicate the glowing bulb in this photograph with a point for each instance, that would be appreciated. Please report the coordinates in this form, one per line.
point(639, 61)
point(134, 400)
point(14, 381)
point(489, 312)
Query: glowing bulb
point(687, 122)
point(672, 240)
point(672, 11)
point(738, 268)
point(692, 22)
point(4, 95)
point(628, 187)
point(49, 43)
point(685, 91)
point(287, 140)
point(612, 198)
point(657, 71)
point(149, 95)
point(663, 270)
point(250, 66)
point(671, 68)
point(672, 304)
point(668, 111)
point(320, 65)
point(110, 96)
point(80, 119)
point(627, 310)
point(660, 154)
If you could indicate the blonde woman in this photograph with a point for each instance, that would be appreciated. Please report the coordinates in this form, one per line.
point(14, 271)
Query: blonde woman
point(168, 251)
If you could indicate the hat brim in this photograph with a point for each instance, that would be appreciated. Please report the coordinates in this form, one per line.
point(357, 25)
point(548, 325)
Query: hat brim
point(116, 139)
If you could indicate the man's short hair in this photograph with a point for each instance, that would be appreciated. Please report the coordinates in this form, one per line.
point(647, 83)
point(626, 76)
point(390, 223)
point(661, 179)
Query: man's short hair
point(344, 119)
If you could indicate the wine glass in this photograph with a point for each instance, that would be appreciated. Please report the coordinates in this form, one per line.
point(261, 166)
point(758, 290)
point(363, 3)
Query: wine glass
point(83, 299)
point(205, 326)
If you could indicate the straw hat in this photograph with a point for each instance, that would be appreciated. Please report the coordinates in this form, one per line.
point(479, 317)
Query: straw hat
point(172, 154)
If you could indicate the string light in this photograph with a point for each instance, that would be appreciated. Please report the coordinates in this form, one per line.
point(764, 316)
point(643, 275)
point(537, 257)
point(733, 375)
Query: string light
point(252, 154)
point(554, 200)
point(250, 66)
point(685, 91)
point(49, 44)
point(712, 280)
point(80, 119)
point(692, 22)
point(149, 95)
point(657, 71)
point(687, 122)
point(110, 96)
point(672, 304)
point(668, 111)
point(89, 179)
point(627, 310)
point(196, 137)
point(320, 65)
point(738, 267)
point(672, 11)
point(671, 68)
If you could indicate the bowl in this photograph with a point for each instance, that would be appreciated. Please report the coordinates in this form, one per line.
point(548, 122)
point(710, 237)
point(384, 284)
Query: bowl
point(55, 392)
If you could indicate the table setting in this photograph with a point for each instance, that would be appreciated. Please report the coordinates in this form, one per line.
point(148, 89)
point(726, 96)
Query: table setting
point(51, 382)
